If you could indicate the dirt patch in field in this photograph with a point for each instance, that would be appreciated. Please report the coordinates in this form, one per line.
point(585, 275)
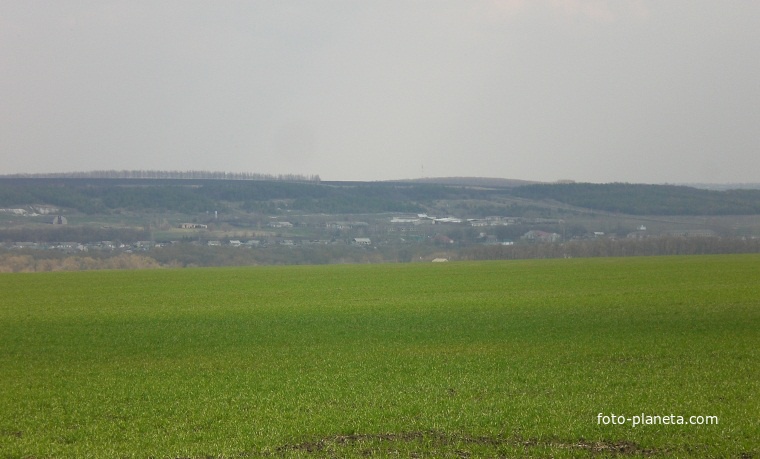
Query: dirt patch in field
point(455, 445)
point(12, 433)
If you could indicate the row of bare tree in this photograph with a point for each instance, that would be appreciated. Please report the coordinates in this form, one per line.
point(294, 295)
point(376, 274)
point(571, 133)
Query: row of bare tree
point(154, 174)
point(187, 255)
point(13, 263)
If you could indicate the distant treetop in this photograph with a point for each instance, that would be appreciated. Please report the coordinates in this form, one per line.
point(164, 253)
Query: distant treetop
point(154, 174)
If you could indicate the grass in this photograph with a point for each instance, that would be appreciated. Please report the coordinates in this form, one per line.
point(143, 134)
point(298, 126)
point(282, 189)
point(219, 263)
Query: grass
point(423, 360)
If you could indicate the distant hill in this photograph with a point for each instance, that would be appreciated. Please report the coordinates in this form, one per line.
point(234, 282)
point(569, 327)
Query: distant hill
point(491, 196)
point(640, 199)
point(103, 195)
point(491, 182)
point(723, 186)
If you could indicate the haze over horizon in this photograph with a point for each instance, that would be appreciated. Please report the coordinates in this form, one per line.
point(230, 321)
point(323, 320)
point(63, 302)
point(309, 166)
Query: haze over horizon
point(588, 90)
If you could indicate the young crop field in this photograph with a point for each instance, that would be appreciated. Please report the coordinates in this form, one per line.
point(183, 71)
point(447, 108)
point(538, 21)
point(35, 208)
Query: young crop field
point(545, 358)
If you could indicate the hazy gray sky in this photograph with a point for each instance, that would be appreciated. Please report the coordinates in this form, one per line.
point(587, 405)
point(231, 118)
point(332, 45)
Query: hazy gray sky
point(649, 91)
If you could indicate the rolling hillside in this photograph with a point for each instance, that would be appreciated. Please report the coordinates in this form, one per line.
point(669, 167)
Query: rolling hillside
point(197, 195)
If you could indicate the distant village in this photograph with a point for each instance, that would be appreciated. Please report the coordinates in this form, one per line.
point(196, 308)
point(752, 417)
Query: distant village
point(395, 229)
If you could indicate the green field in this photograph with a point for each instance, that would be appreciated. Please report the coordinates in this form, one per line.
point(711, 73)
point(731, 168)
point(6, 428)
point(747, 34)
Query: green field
point(489, 359)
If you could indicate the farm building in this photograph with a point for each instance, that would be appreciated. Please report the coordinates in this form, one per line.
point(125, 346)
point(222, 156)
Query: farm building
point(412, 220)
point(347, 225)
